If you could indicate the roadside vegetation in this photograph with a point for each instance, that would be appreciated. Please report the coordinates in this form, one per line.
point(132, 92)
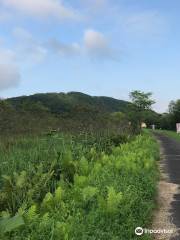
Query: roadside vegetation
point(93, 177)
point(171, 134)
point(168, 120)
point(61, 188)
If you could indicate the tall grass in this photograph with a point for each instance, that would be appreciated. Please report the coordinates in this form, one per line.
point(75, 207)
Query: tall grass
point(64, 187)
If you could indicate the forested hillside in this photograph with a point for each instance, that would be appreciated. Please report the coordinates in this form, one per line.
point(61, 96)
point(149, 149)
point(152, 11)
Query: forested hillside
point(61, 103)
point(71, 111)
point(43, 112)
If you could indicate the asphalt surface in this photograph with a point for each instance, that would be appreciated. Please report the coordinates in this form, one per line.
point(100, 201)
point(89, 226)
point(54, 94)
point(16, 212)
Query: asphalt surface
point(171, 152)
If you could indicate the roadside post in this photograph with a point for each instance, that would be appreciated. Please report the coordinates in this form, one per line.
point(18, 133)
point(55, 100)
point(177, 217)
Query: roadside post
point(178, 127)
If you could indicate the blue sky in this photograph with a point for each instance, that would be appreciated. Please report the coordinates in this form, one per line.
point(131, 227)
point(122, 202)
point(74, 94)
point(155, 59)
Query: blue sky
point(100, 47)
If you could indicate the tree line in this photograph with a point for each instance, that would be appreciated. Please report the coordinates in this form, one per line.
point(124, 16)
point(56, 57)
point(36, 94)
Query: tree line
point(142, 111)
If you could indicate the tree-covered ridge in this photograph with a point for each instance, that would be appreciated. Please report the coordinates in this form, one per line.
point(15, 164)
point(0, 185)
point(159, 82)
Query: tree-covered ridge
point(69, 112)
point(73, 111)
point(63, 103)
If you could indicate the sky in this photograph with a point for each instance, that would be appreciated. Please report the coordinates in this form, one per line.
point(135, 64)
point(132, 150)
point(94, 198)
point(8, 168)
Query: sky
point(99, 47)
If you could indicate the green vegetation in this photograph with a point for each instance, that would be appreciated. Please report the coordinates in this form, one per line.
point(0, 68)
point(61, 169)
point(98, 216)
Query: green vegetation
point(81, 187)
point(76, 167)
point(169, 119)
point(141, 109)
point(72, 112)
point(142, 100)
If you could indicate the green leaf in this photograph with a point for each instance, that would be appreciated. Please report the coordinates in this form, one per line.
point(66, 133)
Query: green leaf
point(10, 224)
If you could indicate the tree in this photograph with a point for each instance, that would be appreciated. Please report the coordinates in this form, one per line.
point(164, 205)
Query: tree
point(118, 117)
point(142, 100)
point(174, 113)
point(166, 121)
point(141, 106)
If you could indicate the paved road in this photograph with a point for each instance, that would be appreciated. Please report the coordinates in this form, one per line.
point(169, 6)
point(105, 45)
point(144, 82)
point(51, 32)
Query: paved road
point(171, 149)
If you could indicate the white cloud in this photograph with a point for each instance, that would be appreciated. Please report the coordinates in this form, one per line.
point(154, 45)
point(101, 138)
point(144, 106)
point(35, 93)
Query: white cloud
point(97, 3)
point(65, 49)
point(94, 4)
point(9, 72)
point(94, 40)
point(119, 17)
point(97, 45)
point(6, 56)
point(145, 23)
point(9, 76)
point(41, 8)
point(4, 16)
point(33, 54)
point(22, 34)
point(28, 49)
point(94, 44)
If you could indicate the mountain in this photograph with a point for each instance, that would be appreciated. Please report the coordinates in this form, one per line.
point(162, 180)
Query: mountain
point(64, 111)
point(59, 103)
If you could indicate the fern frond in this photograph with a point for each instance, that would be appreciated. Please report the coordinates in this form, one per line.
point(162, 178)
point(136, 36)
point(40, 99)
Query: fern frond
point(113, 200)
